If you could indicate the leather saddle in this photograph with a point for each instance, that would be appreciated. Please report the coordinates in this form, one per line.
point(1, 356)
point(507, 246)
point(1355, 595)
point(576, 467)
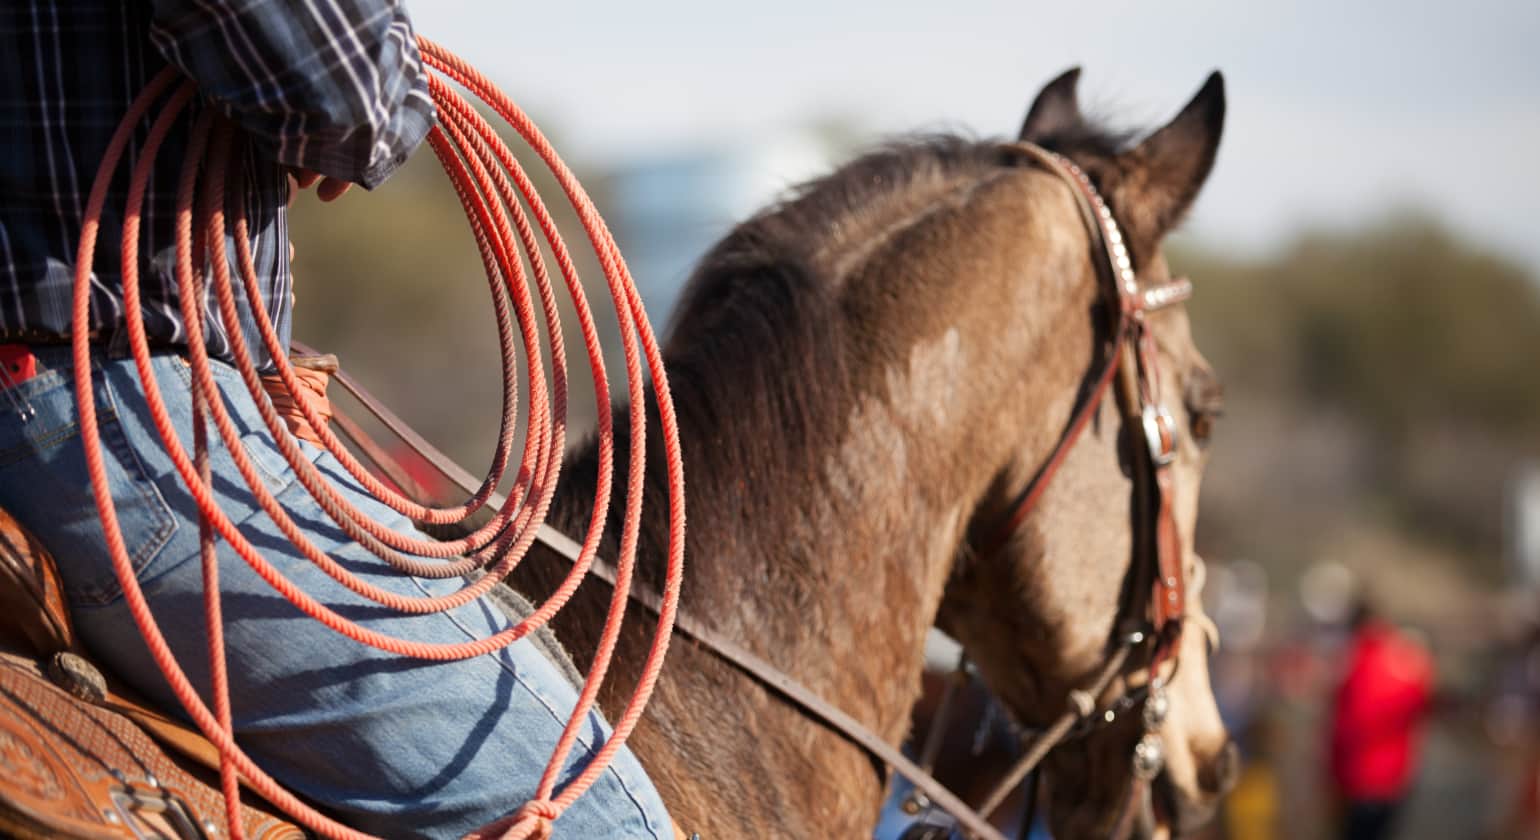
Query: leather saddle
point(80, 756)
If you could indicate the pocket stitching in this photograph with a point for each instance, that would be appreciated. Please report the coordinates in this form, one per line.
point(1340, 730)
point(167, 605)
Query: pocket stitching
point(149, 493)
point(143, 486)
point(43, 443)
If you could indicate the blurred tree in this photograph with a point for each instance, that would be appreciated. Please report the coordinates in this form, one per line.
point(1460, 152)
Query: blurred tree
point(1384, 372)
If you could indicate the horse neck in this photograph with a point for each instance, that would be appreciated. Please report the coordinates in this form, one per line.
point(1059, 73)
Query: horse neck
point(833, 461)
point(828, 560)
point(838, 454)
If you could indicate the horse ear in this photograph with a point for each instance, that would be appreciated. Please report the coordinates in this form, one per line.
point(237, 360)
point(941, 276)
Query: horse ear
point(1055, 111)
point(1162, 175)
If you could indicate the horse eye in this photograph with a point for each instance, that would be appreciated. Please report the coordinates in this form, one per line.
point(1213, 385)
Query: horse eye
point(1202, 427)
point(1204, 398)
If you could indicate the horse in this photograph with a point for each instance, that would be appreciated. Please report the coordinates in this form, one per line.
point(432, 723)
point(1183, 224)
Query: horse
point(867, 375)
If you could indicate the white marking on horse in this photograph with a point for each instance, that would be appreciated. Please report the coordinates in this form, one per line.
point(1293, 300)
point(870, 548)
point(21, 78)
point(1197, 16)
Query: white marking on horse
point(921, 394)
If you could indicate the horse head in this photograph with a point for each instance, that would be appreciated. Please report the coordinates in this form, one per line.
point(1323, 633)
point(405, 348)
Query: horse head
point(1062, 585)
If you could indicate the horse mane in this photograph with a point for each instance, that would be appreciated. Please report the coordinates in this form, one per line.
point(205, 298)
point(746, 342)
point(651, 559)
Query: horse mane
point(759, 314)
point(796, 237)
point(805, 227)
point(758, 343)
point(1089, 139)
point(758, 310)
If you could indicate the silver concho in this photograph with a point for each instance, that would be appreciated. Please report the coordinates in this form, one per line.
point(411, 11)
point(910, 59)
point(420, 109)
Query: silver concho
point(1149, 757)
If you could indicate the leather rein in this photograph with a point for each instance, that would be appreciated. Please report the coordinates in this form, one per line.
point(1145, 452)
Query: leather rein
point(1157, 566)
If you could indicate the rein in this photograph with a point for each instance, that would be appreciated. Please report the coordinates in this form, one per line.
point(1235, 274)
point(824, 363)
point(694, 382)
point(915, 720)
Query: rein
point(1157, 567)
point(727, 649)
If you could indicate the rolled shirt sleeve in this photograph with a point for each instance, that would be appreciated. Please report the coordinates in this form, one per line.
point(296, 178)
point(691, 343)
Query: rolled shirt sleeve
point(335, 86)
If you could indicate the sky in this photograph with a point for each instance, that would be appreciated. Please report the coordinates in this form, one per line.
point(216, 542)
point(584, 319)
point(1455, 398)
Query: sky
point(1338, 111)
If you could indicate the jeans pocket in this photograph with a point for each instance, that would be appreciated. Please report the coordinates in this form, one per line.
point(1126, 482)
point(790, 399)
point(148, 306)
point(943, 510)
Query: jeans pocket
point(45, 484)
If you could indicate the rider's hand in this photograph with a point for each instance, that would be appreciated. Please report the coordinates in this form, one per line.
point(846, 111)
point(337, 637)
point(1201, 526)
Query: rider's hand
point(329, 190)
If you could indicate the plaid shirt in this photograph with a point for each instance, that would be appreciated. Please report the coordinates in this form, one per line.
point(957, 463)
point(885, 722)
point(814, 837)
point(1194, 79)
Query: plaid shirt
point(336, 86)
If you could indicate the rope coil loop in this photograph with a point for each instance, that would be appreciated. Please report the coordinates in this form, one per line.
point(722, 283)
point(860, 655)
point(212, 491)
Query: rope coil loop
point(494, 191)
point(534, 820)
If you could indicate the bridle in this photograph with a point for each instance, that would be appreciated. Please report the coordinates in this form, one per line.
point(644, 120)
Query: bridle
point(1156, 565)
point(1157, 548)
point(1157, 562)
point(1132, 364)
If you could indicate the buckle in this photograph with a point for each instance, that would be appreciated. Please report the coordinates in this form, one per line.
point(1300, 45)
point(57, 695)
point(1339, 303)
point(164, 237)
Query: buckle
point(1159, 434)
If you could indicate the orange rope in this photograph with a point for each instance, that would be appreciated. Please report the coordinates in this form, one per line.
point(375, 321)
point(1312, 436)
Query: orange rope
point(490, 185)
point(286, 403)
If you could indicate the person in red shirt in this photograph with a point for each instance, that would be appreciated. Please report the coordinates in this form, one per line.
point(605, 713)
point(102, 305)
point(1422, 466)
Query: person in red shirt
point(1376, 724)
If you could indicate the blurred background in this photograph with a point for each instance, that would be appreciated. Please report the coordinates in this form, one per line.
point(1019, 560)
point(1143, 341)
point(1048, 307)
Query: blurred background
point(1368, 277)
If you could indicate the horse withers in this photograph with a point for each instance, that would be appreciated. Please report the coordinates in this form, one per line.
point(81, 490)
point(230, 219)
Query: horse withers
point(868, 375)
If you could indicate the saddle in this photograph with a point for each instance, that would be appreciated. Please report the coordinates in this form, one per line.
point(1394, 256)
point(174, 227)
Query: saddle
point(80, 756)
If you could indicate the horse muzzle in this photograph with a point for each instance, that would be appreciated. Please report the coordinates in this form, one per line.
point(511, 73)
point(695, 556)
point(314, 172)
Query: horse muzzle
point(1182, 812)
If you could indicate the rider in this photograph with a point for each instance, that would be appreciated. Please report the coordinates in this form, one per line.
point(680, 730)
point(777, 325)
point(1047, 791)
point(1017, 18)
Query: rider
point(336, 87)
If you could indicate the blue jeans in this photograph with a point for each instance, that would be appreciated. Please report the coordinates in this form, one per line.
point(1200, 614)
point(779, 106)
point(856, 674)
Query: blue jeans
point(398, 747)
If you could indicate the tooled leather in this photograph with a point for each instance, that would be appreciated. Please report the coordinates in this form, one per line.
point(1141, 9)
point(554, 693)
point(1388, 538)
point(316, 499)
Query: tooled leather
point(58, 752)
point(33, 613)
point(71, 769)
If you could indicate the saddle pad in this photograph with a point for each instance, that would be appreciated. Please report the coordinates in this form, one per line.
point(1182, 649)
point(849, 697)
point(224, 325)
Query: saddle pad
point(70, 769)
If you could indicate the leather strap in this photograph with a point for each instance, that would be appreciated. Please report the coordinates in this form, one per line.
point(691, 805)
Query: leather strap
point(1157, 541)
point(789, 688)
point(1029, 497)
point(77, 770)
point(32, 609)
